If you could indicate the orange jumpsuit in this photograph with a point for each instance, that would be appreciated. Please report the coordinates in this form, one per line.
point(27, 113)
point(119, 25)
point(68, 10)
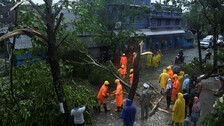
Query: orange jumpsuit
point(133, 59)
point(170, 72)
point(122, 72)
point(119, 95)
point(124, 61)
point(103, 94)
point(175, 89)
point(131, 78)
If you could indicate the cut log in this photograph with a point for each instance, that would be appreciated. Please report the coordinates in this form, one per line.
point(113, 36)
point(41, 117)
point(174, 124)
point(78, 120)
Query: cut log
point(156, 105)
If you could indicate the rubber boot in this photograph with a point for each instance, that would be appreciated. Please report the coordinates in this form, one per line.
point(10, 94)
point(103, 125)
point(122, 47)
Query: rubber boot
point(99, 110)
point(105, 107)
point(118, 109)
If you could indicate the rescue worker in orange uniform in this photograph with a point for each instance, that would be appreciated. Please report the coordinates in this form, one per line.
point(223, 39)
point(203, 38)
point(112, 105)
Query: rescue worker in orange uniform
point(133, 58)
point(131, 76)
point(103, 93)
point(170, 72)
point(124, 61)
point(119, 96)
point(122, 71)
point(175, 87)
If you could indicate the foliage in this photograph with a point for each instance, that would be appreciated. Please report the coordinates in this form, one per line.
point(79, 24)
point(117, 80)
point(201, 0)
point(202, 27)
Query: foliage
point(101, 18)
point(215, 118)
point(193, 68)
point(34, 93)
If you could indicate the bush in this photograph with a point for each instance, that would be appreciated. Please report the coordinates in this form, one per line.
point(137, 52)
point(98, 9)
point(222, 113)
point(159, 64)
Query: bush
point(34, 92)
point(193, 68)
point(215, 118)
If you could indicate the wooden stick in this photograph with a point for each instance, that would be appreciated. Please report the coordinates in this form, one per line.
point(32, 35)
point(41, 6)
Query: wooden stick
point(163, 110)
point(156, 105)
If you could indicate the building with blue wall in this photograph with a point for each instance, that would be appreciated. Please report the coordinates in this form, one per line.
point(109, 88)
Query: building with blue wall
point(163, 29)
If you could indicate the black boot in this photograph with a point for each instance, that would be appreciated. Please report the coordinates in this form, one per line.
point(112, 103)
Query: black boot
point(105, 107)
point(98, 108)
point(118, 109)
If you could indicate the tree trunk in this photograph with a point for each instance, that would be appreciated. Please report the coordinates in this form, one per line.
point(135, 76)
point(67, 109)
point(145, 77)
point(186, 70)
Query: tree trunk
point(215, 47)
point(54, 64)
point(199, 49)
point(136, 76)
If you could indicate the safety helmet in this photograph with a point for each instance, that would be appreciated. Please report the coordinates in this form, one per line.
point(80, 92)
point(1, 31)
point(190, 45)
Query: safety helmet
point(134, 53)
point(175, 75)
point(122, 66)
point(169, 67)
point(131, 70)
point(117, 80)
point(164, 71)
point(106, 82)
point(123, 54)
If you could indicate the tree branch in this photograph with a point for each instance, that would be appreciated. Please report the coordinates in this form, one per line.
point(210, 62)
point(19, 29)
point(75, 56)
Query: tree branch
point(214, 70)
point(205, 13)
point(62, 40)
point(60, 8)
point(59, 22)
point(23, 31)
point(37, 9)
point(93, 62)
point(15, 6)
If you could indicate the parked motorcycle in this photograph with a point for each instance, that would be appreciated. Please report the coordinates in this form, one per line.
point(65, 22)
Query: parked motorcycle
point(179, 59)
point(208, 53)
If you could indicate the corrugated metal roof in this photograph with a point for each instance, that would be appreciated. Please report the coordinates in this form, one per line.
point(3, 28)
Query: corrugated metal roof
point(23, 42)
point(149, 32)
point(188, 35)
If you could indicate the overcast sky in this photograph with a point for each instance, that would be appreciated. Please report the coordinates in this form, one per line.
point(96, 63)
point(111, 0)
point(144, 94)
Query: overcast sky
point(54, 1)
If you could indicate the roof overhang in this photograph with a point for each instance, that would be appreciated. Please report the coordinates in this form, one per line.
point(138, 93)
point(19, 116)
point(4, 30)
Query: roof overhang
point(149, 32)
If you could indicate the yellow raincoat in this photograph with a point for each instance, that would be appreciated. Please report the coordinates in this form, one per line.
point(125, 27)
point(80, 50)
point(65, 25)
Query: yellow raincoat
point(163, 78)
point(179, 109)
point(158, 57)
point(181, 80)
point(154, 61)
point(149, 60)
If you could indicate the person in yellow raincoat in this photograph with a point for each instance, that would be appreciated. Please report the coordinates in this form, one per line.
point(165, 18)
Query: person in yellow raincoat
point(149, 59)
point(163, 78)
point(158, 57)
point(154, 61)
point(175, 87)
point(119, 96)
point(122, 72)
point(178, 114)
point(181, 80)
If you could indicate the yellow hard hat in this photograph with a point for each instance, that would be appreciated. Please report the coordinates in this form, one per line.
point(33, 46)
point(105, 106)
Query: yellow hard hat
point(117, 80)
point(131, 70)
point(175, 75)
point(134, 53)
point(122, 66)
point(169, 67)
point(106, 83)
point(164, 71)
point(182, 72)
point(123, 54)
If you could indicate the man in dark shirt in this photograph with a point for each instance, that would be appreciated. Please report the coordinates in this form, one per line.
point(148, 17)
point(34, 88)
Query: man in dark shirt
point(186, 97)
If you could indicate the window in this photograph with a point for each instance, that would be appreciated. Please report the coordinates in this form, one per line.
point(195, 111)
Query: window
point(159, 22)
point(177, 22)
point(167, 22)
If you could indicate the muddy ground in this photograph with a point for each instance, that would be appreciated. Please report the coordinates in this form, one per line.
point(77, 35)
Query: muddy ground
point(159, 118)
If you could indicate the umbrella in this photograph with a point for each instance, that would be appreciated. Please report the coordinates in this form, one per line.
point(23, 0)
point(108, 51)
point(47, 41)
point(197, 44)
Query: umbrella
point(176, 69)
